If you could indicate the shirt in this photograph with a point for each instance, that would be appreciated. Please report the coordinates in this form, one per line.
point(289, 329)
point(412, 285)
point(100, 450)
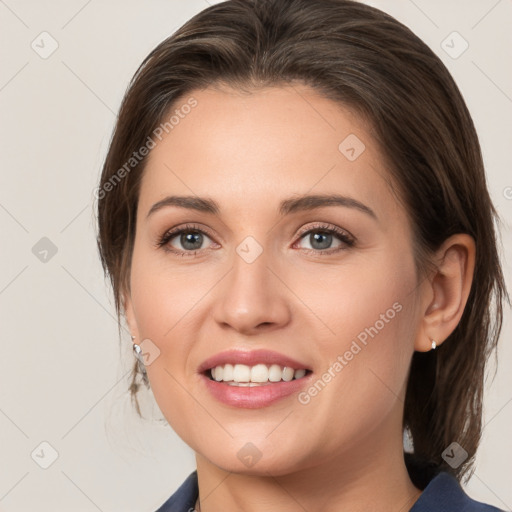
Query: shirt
point(442, 494)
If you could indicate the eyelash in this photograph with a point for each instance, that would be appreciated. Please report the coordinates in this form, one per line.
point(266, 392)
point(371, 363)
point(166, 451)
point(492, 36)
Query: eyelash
point(344, 236)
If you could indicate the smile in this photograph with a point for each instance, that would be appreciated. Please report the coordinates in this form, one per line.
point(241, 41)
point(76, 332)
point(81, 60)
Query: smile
point(253, 379)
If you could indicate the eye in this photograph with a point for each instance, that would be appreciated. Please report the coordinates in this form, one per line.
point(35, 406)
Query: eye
point(190, 237)
point(321, 237)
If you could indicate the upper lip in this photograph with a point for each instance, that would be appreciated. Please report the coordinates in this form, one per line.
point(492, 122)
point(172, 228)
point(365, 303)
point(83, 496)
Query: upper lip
point(250, 358)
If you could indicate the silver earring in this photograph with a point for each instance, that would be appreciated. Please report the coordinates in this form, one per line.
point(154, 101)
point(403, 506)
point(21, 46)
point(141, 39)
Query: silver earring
point(434, 345)
point(137, 351)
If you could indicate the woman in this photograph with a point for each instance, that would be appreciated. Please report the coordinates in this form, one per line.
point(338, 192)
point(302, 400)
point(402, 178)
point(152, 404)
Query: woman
point(294, 217)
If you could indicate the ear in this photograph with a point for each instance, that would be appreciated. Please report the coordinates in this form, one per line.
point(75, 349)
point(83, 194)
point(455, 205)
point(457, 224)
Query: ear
point(446, 291)
point(129, 314)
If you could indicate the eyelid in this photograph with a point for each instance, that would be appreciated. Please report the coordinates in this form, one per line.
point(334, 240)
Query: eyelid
point(188, 226)
point(326, 227)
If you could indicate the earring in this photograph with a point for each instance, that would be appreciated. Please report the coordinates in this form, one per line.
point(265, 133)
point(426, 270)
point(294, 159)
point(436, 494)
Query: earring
point(434, 345)
point(137, 352)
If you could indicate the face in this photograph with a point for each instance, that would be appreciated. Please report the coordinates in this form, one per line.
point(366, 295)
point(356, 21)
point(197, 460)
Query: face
point(311, 300)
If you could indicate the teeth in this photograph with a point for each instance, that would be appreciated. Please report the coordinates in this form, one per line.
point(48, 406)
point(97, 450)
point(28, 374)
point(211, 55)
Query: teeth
point(219, 371)
point(228, 372)
point(288, 374)
point(299, 374)
point(259, 373)
point(249, 376)
point(241, 373)
point(275, 373)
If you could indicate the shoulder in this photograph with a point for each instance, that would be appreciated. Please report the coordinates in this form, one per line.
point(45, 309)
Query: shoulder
point(184, 499)
point(445, 494)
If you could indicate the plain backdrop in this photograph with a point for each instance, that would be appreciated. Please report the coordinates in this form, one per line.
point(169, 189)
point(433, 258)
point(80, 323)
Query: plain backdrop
point(63, 382)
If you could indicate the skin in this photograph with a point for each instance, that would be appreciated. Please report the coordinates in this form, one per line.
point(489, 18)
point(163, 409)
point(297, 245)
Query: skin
point(343, 449)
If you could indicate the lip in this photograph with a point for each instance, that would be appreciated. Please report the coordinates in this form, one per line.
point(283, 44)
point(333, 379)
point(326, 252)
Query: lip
point(254, 397)
point(257, 396)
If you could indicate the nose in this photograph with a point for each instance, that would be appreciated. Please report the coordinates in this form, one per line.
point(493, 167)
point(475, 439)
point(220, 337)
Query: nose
point(253, 297)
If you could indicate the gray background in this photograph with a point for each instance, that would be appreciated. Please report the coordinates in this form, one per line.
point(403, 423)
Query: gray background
point(63, 374)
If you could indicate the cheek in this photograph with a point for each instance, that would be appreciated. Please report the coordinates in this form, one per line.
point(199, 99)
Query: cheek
point(163, 296)
point(165, 304)
point(364, 299)
point(364, 376)
point(369, 330)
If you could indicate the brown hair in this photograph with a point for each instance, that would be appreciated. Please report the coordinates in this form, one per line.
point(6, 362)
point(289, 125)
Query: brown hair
point(363, 58)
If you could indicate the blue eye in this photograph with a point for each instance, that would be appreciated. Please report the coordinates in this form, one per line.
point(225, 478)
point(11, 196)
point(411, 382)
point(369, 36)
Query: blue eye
point(190, 237)
point(191, 240)
point(320, 237)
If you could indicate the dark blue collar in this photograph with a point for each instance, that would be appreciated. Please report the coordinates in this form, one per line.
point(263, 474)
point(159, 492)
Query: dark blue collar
point(442, 494)
point(445, 494)
point(184, 499)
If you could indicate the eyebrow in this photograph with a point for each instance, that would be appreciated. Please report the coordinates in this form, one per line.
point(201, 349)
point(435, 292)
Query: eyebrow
point(286, 207)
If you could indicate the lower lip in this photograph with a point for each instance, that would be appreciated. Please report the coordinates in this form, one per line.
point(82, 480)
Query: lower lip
point(256, 396)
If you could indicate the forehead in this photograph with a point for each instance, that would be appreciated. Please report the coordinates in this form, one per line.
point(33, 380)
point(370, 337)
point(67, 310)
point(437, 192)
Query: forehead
point(244, 149)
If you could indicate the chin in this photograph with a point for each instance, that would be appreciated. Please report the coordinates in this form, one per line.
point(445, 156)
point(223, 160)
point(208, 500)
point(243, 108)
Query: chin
point(249, 460)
